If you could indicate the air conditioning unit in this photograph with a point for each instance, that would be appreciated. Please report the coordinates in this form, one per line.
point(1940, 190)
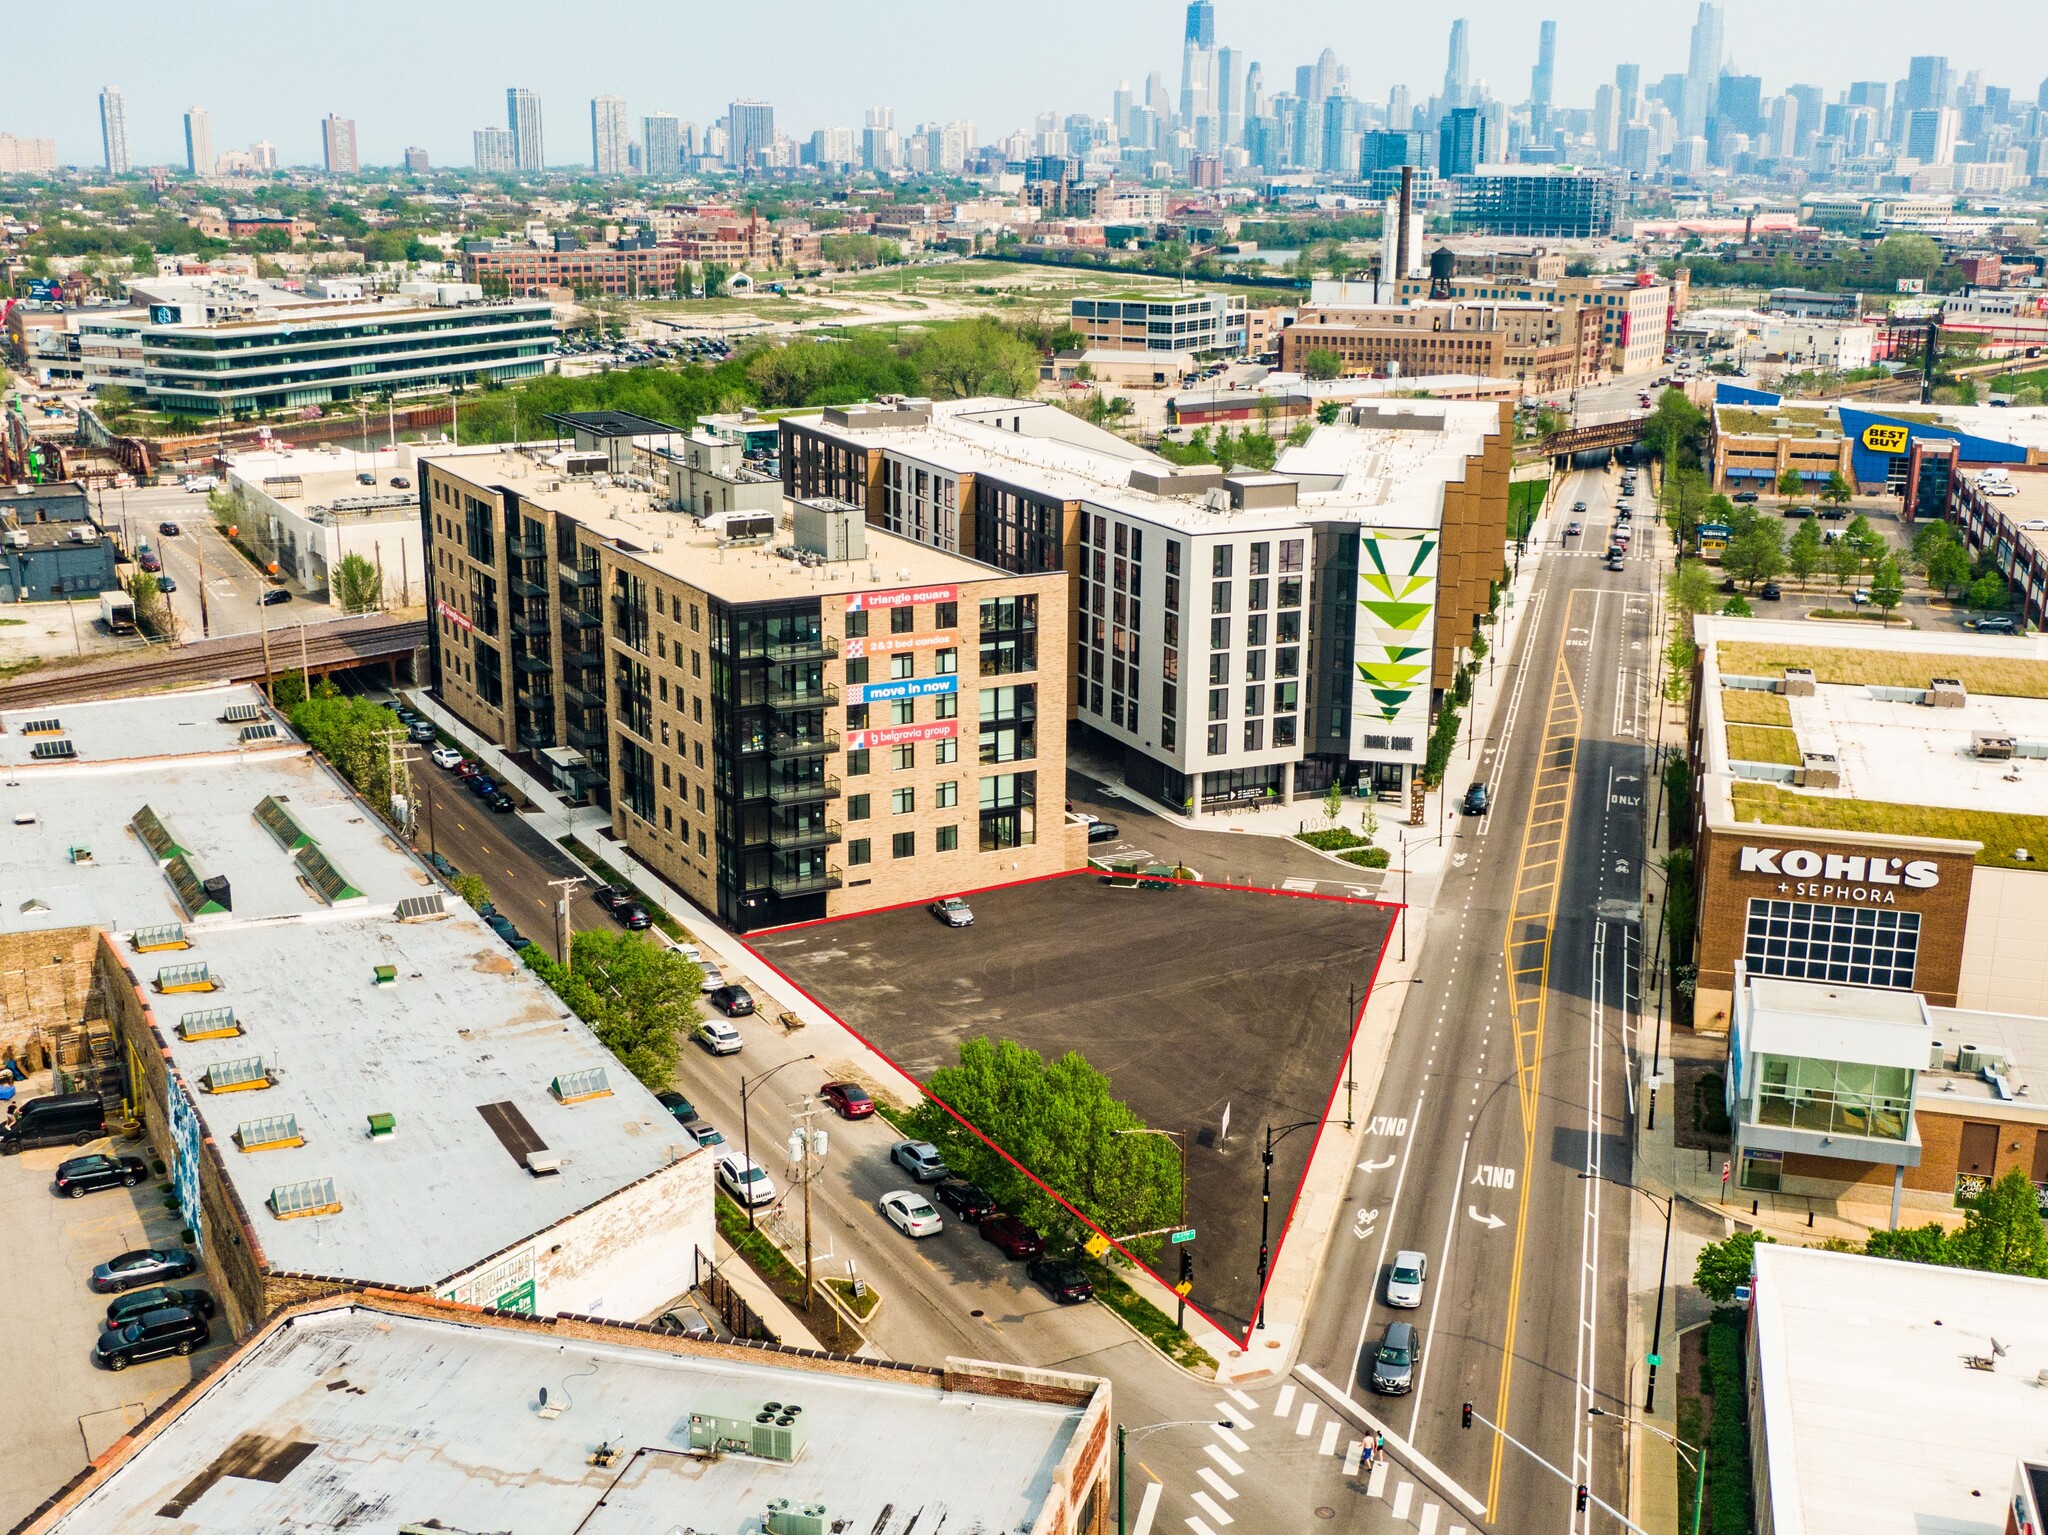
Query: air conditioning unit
point(1989, 747)
point(1937, 1055)
point(544, 1164)
point(1947, 693)
point(1799, 682)
point(790, 1518)
point(1977, 1058)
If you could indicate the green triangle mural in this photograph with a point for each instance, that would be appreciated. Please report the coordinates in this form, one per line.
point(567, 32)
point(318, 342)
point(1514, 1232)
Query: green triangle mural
point(1391, 701)
point(1390, 674)
point(1397, 615)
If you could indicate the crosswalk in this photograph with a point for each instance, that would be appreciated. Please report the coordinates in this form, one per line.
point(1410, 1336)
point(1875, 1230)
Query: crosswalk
point(1292, 1416)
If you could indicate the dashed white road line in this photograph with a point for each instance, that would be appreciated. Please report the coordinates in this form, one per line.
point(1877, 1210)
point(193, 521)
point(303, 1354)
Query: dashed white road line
point(1224, 1461)
point(1221, 1488)
point(1148, 1506)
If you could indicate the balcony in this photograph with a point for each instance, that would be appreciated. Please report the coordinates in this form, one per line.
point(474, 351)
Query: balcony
point(537, 661)
point(580, 618)
point(812, 792)
point(792, 837)
point(577, 659)
point(532, 591)
point(817, 647)
point(525, 548)
point(794, 700)
point(530, 624)
point(580, 577)
point(805, 884)
point(582, 698)
point(587, 738)
point(818, 744)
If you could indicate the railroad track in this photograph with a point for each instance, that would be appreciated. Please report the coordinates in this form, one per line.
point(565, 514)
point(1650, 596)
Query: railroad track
point(345, 642)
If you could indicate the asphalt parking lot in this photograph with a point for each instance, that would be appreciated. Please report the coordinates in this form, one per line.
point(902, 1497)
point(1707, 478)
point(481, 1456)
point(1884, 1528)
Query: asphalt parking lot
point(1190, 999)
point(59, 1408)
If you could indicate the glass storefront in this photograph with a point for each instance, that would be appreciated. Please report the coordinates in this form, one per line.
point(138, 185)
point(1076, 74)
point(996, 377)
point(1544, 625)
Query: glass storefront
point(1834, 1097)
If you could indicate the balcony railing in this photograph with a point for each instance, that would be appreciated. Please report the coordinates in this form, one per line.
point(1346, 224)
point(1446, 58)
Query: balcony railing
point(792, 837)
point(533, 661)
point(585, 738)
point(525, 548)
point(810, 792)
point(530, 623)
point(792, 700)
point(582, 698)
point(816, 647)
point(535, 738)
point(580, 577)
point(576, 659)
point(805, 884)
point(532, 591)
point(580, 618)
point(783, 744)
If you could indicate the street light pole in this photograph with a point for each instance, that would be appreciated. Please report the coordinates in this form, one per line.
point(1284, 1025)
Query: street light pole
point(1180, 1139)
point(1699, 1496)
point(1663, 1274)
point(746, 1125)
point(1273, 1138)
point(1123, 1433)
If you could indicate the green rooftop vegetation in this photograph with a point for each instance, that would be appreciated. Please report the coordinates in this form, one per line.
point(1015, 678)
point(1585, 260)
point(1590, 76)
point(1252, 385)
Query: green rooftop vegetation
point(1800, 421)
point(1753, 706)
point(2002, 835)
point(1995, 676)
point(1763, 743)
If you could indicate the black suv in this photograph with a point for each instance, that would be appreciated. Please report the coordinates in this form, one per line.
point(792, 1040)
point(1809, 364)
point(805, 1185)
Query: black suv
point(124, 1309)
point(964, 1199)
point(733, 1001)
point(80, 1176)
point(172, 1330)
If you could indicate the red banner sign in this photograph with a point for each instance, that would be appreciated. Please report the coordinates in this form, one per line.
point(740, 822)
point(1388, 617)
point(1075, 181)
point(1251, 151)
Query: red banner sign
point(902, 597)
point(461, 621)
point(900, 735)
point(891, 644)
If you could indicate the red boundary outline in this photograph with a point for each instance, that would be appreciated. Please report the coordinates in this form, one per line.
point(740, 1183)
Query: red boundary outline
point(1329, 1103)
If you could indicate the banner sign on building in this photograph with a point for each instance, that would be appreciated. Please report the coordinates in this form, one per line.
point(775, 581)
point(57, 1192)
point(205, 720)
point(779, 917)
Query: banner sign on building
point(506, 1286)
point(460, 620)
point(909, 687)
point(1886, 439)
point(187, 1132)
point(894, 644)
point(901, 597)
point(901, 735)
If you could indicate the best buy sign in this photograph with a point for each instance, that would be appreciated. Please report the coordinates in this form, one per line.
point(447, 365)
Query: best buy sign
point(1885, 439)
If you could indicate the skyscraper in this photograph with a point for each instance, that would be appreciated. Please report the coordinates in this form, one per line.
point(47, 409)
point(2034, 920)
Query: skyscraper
point(1628, 91)
point(1927, 83)
point(417, 162)
point(1400, 115)
point(338, 145)
point(1461, 142)
point(1931, 135)
point(750, 134)
point(878, 142)
point(1605, 125)
point(1254, 92)
point(494, 150)
point(1544, 77)
point(1323, 82)
point(1229, 102)
point(661, 140)
point(198, 141)
point(1458, 71)
point(608, 135)
point(1704, 67)
point(114, 130)
point(1198, 62)
point(522, 119)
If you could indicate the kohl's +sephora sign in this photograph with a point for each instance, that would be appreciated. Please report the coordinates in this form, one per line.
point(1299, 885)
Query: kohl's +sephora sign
point(1874, 879)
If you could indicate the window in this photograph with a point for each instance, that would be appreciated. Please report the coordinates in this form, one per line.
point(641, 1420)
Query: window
point(856, 672)
point(944, 752)
point(1852, 945)
point(857, 807)
point(1255, 666)
point(1262, 555)
point(1255, 629)
point(1255, 699)
point(1219, 597)
point(902, 666)
point(902, 801)
point(1009, 728)
point(1219, 703)
point(946, 663)
point(902, 620)
point(1169, 733)
point(860, 850)
point(856, 762)
point(946, 615)
point(1255, 595)
point(903, 845)
point(1284, 730)
point(1219, 668)
point(1219, 634)
point(901, 757)
point(1173, 556)
point(949, 794)
point(856, 623)
point(902, 711)
point(1219, 562)
point(1834, 1097)
point(947, 839)
point(856, 716)
point(1288, 628)
point(1009, 814)
point(1254, 735)
point(1290, 591)
point(1219, 740)
point(946, 706)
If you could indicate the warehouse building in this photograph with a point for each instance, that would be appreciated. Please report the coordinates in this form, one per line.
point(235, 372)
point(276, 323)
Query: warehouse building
point(50, 547)
point(353, 1080)
point(396, 1414)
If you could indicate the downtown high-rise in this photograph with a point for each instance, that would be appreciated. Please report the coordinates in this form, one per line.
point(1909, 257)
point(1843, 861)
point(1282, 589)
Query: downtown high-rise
point(522, 120)
point(338, 145)
point(114, 130)
point(608, 135)
point(199, 158)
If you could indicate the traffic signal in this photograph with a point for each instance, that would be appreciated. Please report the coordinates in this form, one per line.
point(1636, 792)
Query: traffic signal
point(1582, 1498)
point(1187, 1264)
point(1465, 1416)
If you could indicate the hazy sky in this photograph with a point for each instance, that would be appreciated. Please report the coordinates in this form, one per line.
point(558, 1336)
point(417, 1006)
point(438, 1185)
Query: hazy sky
point(427, 74)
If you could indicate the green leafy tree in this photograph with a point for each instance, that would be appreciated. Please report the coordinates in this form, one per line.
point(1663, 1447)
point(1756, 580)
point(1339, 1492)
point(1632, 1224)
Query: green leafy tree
point(1736, 607)
point(1320, 363)
point(2002, 1230)
point(1726, 1264)
point(1887, 589)
point(1989, 594)
point(1677, 430)
point(1789, 483)
point(1327, 412)
point(1871, 543)
point(1756, 554)
point(974, 357)
point(472, 889)
point(1948, 568)
point(1911, 1244)
point(1837, 491)
point(640, 999)
point(1805, 552)
point(1929, 537)
point(353, 734)
point(1691, 588)
point(1058, 1119)
point(356, 585)
point(1845, 561)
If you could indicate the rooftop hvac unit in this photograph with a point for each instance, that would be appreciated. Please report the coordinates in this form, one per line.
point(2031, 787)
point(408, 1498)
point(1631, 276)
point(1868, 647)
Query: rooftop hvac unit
point(1989, 747)
point(1937, 1055)
point(1799, 682)
point(741, 527)
point(544, 1164)
point(789, 1518)
point(1819, 770)
point(769, 1430)
point(1975, 1058)
point(1947, 693)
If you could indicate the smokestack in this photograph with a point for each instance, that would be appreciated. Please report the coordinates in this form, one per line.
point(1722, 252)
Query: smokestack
point(1401, 234)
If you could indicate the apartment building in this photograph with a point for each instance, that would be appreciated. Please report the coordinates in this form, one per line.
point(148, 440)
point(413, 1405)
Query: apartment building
point(1542, 346)
point(776, 705)
point(527, 271)
point(1237, 636)
point(1165, 322)
point(1636, 312)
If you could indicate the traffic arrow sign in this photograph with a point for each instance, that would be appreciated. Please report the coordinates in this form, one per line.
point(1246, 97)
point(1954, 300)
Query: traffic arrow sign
point(1376, 1167)
point(1490, 1222)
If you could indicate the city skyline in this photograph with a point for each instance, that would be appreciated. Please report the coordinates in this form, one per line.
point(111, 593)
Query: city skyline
point(692, 70)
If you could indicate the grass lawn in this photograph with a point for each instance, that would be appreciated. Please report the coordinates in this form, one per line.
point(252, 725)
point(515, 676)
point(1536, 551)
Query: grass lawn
point(768, 306)
point(2000, 834)
point(2009, 678)
point(960, 281)
point(1763, 743)
point(1748, 706)
point(1525, 500)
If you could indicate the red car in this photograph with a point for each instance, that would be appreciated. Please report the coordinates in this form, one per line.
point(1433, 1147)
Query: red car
point(1016, 1239)
point(851, 1100)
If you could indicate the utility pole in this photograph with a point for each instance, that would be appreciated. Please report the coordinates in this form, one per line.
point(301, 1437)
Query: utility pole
point(305, 671)
point(205, 624)
point(562, 933)
point(263, 623)
point(398, 754)
point(1350, 1050)
point(807, 1149)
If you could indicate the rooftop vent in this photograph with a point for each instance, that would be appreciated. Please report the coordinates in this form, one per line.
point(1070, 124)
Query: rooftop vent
point(831, 530)
point(241, 714)
point(52, 751)
point(197, 976)
point(1937, 1055)
point(324, 877)
point(43, 727)
point(275, 819)
point(265, 731)
point(420, 908)
point(1972, 1059)
point(81, 854)
point(155, 835)
point(243, 1074)
point(195, 894)
point(1799, 682)
point(209, 1023)
point(544, 1164)
point(788, 1518)
point(1988, 746)
point(1947, 693)
point(383, 1126)
point(168, 935)
point(769, 1430)
point(1819, 770)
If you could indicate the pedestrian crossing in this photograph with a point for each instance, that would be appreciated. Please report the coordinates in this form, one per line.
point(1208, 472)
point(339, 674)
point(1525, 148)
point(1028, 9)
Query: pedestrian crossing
point(1246, 1430)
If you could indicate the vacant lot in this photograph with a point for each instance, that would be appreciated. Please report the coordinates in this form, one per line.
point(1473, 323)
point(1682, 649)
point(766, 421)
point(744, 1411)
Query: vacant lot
point(1193, 1000)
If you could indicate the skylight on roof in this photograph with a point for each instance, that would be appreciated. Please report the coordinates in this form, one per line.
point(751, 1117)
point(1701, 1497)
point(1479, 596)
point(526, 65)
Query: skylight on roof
point(324, 877)
point(310, 1196)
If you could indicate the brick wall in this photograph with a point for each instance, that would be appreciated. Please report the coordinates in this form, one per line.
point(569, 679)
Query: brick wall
point(46, 980)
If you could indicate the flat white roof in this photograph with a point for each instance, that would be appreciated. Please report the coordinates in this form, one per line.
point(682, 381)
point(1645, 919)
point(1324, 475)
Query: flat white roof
point(1839, 1023)
point(1874, 1424)
point(463, 1025)
point(365, 1414)
point(1908, 754)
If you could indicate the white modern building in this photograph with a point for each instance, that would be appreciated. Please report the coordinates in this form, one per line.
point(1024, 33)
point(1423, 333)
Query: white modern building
point(310, 508)
point(1819, 344)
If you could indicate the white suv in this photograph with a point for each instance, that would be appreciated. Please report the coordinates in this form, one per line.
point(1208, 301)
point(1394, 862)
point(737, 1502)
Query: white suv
point(745, 1180)
point(719, 1037)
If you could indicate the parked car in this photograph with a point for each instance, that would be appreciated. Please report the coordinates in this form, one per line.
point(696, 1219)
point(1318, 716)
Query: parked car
point(1067, 1283)
point(445, 757)
point(441, 865)
point(166, 585)
point(1770, 591)
point(1405, 1279)
point(1835, 514)
point(400, 482)
point(964, 1199)
point(479, 785)
point(713, 976)
point(167, 529)
point(1011, 1236)
point(80, 1176)
point(920, 1159)
point(422, 732)
point(1101, 831)
point(1995, 623)
point(140, 1266)
point(149, 563)
point(1798, 511)
point(1861, 599)
point(500, 803)
point(1393, 1363)
point(707, 1133)
point(633, 917)
point(953, 911)
point(686, 1322)
point(468, 768)
point(275, 595)
point(1477, 799)
point(612, 898)
point(58, 1119)
point(850, 1099)
point(679, 1107)
point(719, 1037)
point(364, 477)
point(169, 1330)
point(1744, 498)
point(746, 1180)
point(911, 1214)
point(124, 1309)
point(733, 1001)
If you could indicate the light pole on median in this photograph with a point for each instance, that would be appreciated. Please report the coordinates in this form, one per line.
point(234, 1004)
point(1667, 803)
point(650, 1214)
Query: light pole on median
point(1663, 1273)
point(1273, 1138)
point(746, 1127)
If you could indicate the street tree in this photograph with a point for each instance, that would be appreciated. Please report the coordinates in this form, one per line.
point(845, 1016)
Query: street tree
point(1989, 593)
point(1726, 1264)
point(473, 890)
point(1910, 1244)
point(1789, 483)
point(1756, 554)
point(975, 357)
point(1059, 1120)
point(353, 734)
point(1319, 362)
point(639, 999)
point(1327, 412)
point(1676, 431)
point(1803, 555)
point(357, 586)
point(2002, 1230)
point(1866, 538)
point(1691, 588)
point(1837, 491)
point(1887, 590)
point(1844, 562)
point(1948, 568)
